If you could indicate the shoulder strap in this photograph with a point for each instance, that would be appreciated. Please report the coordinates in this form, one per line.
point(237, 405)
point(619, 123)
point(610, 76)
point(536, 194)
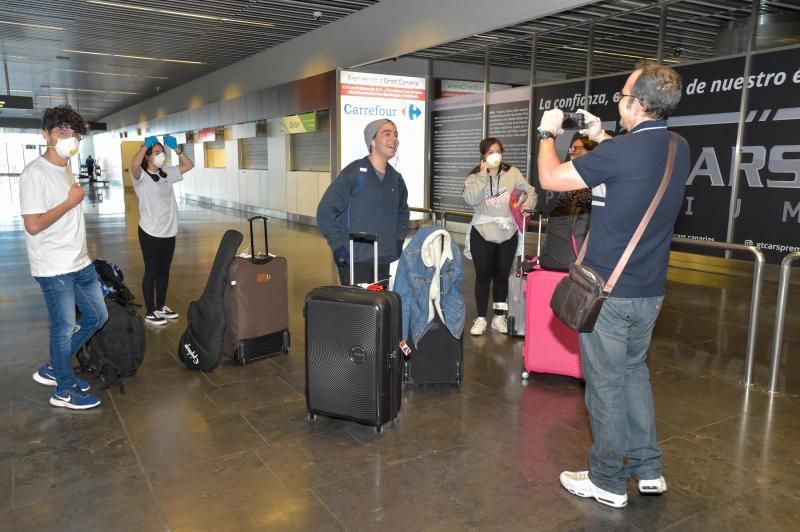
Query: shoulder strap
point(623, 260)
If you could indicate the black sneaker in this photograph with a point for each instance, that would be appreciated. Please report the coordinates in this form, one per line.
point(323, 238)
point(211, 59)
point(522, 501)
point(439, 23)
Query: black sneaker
point(166, 313)
point(152, 318)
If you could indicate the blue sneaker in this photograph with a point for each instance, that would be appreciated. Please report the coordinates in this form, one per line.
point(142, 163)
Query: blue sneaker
point(74, 399)
point(45, 375)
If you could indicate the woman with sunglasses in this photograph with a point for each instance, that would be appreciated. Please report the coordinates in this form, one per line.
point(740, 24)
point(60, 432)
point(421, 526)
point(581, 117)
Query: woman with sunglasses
point(569, 221)
point(578, 199)
point(158, 220)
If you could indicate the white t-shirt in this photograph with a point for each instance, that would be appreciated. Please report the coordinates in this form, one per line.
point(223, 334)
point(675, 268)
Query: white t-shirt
point(158, 210)
point(61, 248)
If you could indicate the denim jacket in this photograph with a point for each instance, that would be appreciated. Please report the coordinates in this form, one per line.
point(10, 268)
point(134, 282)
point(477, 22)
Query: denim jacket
point(414, 280)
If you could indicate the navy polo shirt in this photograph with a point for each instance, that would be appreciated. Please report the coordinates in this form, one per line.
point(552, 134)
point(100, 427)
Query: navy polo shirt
point(624, 174)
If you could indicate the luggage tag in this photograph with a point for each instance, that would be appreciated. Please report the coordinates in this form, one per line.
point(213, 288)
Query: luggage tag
point(405, 349)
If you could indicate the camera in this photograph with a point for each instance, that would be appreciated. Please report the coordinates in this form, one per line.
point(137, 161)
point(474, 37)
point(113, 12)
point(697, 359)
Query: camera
point(573, 121)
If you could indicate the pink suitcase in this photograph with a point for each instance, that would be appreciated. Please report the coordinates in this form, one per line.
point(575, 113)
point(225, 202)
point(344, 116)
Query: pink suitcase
point(550, 346)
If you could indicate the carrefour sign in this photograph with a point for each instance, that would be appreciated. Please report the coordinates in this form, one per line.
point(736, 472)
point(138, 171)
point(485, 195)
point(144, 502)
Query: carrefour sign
point(365, 97)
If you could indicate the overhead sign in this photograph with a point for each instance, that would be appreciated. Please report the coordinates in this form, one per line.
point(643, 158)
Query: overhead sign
point(244, 131)
point(454, 87)
point(208, 134)
point(15, 102)
point(364, 97)
point(302, 123)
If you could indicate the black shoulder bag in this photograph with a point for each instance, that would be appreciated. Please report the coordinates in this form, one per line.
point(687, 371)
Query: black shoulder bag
point(579, 296)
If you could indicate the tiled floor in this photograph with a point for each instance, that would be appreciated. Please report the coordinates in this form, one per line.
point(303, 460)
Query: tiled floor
point(232, 450)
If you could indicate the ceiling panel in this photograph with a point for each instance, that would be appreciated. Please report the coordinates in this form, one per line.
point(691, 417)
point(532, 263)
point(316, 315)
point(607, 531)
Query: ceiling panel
point(74, 51)
point(625, 31)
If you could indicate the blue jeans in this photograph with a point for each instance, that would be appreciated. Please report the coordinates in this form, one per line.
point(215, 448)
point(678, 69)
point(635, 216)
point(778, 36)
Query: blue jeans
point(618, 394)
point(63, 293)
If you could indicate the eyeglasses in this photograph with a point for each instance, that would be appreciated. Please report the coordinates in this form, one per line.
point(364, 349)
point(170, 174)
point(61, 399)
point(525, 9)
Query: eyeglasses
point(622, 95)
point(576, 147)
point(64, 133)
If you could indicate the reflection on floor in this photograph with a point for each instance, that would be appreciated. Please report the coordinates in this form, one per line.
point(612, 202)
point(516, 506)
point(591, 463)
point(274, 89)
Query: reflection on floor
point(232, 450)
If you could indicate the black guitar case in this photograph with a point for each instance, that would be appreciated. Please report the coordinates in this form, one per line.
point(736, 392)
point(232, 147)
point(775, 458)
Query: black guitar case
point(200, 346)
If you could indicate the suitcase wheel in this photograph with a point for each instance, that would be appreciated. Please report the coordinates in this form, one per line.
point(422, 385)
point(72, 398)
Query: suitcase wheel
point(311, 416)
point(525, 375)
point(511, 322)
point(378, 429)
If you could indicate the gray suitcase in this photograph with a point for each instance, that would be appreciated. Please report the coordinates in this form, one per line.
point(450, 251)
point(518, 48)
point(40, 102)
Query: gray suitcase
point(516, 284)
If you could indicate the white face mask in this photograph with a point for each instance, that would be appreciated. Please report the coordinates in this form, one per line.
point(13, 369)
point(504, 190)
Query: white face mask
point(66, 148)
point(493, 160)
point(160, 160)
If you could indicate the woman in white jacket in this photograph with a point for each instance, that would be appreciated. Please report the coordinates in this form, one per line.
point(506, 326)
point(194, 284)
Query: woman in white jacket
point(492, 239)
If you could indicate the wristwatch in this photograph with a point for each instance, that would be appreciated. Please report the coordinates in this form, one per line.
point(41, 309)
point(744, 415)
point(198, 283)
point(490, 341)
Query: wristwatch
point(544, 135)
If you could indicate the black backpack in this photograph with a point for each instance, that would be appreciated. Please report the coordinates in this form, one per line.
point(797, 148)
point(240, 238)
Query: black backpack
point(116, 351)
point(201, 344)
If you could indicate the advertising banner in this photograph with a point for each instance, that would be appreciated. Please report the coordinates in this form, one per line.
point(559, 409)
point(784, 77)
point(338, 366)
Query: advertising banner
point(767, 209)
point(208, 134)
point(302, 123)
point(457, 125)
point(364, 97)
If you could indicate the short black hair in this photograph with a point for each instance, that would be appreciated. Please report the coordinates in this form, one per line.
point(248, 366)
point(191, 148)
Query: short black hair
point(63, 115)
point(658, 88)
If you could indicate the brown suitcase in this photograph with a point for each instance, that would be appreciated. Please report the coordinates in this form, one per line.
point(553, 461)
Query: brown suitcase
point(257, 304)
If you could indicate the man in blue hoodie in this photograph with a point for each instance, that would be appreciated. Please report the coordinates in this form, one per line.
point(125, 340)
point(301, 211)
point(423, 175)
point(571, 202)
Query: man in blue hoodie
point(368, 196)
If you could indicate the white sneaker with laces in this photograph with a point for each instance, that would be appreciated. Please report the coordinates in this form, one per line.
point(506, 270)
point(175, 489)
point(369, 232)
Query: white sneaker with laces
point(655, 486)
point(153, 318)
point(578, 483)
point(500, 324)
point(166, 313)
point(478, 327)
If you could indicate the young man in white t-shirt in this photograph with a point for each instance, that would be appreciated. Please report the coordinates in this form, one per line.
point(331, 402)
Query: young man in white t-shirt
point(55, 235)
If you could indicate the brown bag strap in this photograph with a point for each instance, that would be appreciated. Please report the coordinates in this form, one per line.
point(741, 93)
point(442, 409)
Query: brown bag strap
point(623, 260)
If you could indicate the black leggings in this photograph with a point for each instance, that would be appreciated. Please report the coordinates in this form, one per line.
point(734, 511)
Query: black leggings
point(492, 266)
point(157, 254)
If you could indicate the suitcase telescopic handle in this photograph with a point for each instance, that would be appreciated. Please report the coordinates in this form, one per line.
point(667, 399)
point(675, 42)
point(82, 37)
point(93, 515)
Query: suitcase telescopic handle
point(368, 238)
point(253, 258)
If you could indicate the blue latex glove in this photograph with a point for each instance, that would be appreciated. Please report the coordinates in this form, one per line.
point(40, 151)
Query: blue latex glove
point(171, 142)
point(400, 247)
point(340, 256)
point(149, 142)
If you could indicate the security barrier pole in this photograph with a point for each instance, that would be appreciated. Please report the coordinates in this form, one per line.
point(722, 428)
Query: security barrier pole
point(424, 210)
point(755, 301)
point(780, 313)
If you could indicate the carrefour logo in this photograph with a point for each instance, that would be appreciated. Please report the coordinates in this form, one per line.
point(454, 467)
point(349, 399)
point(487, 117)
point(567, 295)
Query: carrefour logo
point(412, 111)
point(370, 110)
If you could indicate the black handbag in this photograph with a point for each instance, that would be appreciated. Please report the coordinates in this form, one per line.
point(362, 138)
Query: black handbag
point(564, 236)
point(579, 297)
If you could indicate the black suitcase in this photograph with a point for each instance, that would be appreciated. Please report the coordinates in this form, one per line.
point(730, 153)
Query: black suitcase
point(353, 367)
point(438, 359)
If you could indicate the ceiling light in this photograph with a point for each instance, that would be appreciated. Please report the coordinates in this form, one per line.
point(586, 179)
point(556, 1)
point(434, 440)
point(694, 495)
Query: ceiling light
point(91, 90)
point(183, 14)
point(40, 26)
point(136, 57)
point(111, 74)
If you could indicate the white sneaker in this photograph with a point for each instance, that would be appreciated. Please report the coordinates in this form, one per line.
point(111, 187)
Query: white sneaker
point(478, 327)
point(166, 313)
point(500, 324)
point(152, 318)
point(656, 486)
point(578, 483)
